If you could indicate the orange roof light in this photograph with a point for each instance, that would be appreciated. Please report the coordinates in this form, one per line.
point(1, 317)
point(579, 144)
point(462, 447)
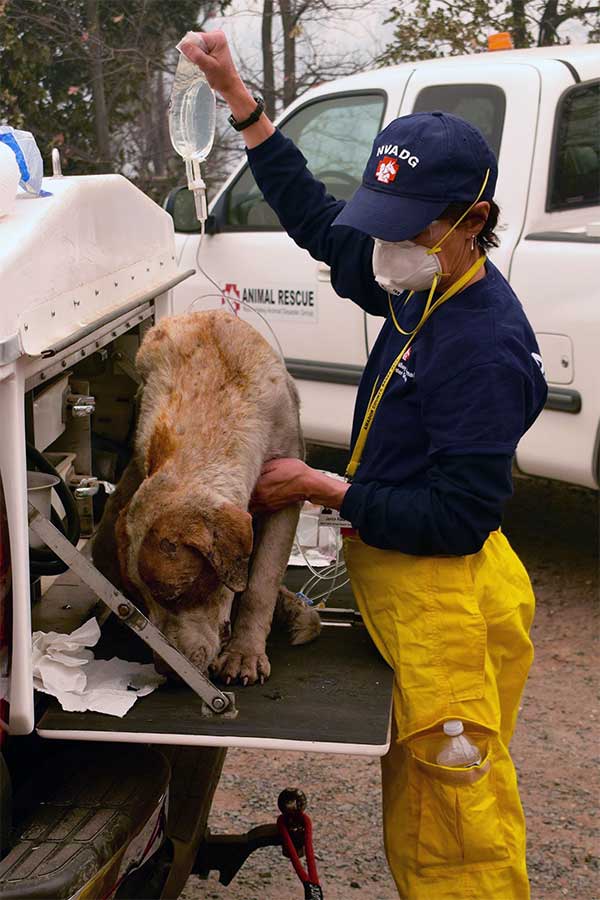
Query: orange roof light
point(500, 41)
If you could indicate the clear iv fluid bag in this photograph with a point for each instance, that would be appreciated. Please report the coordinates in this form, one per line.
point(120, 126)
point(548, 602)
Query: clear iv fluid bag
point(192, 112)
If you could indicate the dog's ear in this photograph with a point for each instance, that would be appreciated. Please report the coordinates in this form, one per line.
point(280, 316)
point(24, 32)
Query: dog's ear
point(226, 541)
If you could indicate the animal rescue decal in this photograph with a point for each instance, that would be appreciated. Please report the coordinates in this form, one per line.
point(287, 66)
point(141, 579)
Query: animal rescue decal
point(289, 302)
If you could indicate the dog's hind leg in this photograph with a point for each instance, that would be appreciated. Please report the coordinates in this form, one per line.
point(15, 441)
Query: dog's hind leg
point(302, 622)
point(245, 657)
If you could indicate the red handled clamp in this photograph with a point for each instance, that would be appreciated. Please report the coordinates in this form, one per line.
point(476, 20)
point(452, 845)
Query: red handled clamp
point(295, 828)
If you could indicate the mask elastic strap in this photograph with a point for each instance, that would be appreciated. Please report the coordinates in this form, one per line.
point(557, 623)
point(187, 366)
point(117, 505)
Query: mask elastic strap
point(438, 246)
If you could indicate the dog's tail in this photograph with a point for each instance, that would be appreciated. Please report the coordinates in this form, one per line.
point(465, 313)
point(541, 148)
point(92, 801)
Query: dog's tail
point(302, 622)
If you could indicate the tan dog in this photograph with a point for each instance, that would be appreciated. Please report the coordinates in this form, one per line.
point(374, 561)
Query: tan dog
point(176, 534)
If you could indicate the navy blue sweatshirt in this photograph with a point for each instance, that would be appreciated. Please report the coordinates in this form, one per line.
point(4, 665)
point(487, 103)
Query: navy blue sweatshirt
point(436, 467)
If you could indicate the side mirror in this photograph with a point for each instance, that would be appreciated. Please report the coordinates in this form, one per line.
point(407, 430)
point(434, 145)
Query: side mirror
point(179, 203)
point(211, 226)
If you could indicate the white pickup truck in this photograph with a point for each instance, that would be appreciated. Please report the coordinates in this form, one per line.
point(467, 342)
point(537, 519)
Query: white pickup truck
point(540, 111)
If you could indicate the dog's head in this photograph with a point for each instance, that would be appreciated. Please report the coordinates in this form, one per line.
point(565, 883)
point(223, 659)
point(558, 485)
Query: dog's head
point(184, 550)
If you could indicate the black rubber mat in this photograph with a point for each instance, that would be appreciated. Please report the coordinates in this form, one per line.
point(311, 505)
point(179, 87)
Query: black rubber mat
point(335, 690)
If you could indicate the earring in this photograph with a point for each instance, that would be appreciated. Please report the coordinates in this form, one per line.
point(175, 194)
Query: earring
point(472, 242)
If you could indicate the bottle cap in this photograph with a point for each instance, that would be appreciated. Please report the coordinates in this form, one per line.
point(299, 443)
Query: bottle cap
point(453, 727)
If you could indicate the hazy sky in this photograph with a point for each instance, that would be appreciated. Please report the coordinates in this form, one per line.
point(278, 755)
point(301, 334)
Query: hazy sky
point(362, 31)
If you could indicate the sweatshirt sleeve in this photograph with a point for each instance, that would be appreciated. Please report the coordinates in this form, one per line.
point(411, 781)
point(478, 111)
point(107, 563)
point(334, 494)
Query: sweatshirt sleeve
point(451, 515)
point(306, 212)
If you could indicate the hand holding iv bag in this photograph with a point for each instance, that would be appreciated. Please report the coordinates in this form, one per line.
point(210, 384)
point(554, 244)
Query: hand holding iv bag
point(192, 115)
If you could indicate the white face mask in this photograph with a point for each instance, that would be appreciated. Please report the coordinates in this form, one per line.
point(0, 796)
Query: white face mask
point(401, 266)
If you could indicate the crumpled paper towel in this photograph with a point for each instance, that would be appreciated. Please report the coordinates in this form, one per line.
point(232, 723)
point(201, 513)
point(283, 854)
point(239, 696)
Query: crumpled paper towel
point(63, 668)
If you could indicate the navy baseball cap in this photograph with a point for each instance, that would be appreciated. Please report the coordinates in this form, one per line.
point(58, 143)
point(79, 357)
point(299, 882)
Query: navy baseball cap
point(419, 164)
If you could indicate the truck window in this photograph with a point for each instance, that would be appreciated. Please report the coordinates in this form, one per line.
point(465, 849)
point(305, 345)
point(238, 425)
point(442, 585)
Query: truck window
point(335, 135)
point(483, 105)
point(575, 164)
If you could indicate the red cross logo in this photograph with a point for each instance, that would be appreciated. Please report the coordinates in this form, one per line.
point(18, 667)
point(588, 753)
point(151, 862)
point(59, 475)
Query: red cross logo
point(231, 296)
point(387, 170)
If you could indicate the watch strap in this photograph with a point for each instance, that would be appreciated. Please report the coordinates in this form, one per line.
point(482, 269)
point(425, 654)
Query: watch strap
point(252, 118)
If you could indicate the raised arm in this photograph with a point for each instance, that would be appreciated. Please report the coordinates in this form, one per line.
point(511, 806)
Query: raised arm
point(301, 202)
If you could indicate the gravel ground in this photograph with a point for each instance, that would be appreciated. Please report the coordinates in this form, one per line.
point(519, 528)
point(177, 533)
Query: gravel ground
point(554, 528)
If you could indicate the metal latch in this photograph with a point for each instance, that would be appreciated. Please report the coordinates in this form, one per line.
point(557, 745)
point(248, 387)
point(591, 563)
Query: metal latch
point(215, 701)
point(86, 487)
point(81, 405)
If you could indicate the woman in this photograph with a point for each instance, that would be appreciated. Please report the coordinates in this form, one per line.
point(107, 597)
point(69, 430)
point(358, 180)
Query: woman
point(453, 382)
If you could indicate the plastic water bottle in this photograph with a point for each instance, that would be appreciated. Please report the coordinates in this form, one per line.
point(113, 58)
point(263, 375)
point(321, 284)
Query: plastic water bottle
point(458, 752)
point(192, 109)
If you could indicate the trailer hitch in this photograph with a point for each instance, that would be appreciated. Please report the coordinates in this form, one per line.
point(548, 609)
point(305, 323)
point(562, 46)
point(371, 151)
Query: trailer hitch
point(227, 853)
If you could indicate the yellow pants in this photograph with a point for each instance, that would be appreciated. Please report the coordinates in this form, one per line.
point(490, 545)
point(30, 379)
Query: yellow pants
point(456, 632)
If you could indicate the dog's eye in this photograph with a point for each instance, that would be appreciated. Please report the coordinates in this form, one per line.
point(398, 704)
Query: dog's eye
point(167, 547)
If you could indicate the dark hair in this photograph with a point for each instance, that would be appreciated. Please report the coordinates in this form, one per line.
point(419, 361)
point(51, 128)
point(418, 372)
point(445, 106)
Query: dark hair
point(487, 237)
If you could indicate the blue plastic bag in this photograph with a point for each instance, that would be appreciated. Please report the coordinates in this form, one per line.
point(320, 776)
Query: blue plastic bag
point(28, 155)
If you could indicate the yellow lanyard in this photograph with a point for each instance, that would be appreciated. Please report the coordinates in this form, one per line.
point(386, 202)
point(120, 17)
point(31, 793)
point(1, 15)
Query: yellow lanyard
point(430, 308)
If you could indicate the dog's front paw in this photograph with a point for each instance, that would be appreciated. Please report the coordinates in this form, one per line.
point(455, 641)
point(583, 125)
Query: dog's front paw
point(245, 667)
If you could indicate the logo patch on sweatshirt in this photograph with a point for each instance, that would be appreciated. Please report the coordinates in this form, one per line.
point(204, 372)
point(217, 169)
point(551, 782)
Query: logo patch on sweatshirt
point(404, 370)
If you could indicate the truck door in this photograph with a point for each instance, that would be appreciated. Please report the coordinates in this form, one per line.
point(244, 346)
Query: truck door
point(555, 275)
point(255, 261)
point(501, 99)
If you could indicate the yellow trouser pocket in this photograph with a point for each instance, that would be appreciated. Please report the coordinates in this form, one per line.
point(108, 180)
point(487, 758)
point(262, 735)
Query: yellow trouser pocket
point(459, 819)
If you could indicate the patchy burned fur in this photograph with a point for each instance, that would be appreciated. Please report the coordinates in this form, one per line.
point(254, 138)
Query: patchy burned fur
point(217, 404)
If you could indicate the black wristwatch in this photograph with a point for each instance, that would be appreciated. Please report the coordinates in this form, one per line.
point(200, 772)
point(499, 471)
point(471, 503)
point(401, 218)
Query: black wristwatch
point(252, 118)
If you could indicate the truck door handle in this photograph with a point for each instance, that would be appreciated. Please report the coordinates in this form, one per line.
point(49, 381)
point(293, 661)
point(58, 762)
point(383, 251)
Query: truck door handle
point(323, 272)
